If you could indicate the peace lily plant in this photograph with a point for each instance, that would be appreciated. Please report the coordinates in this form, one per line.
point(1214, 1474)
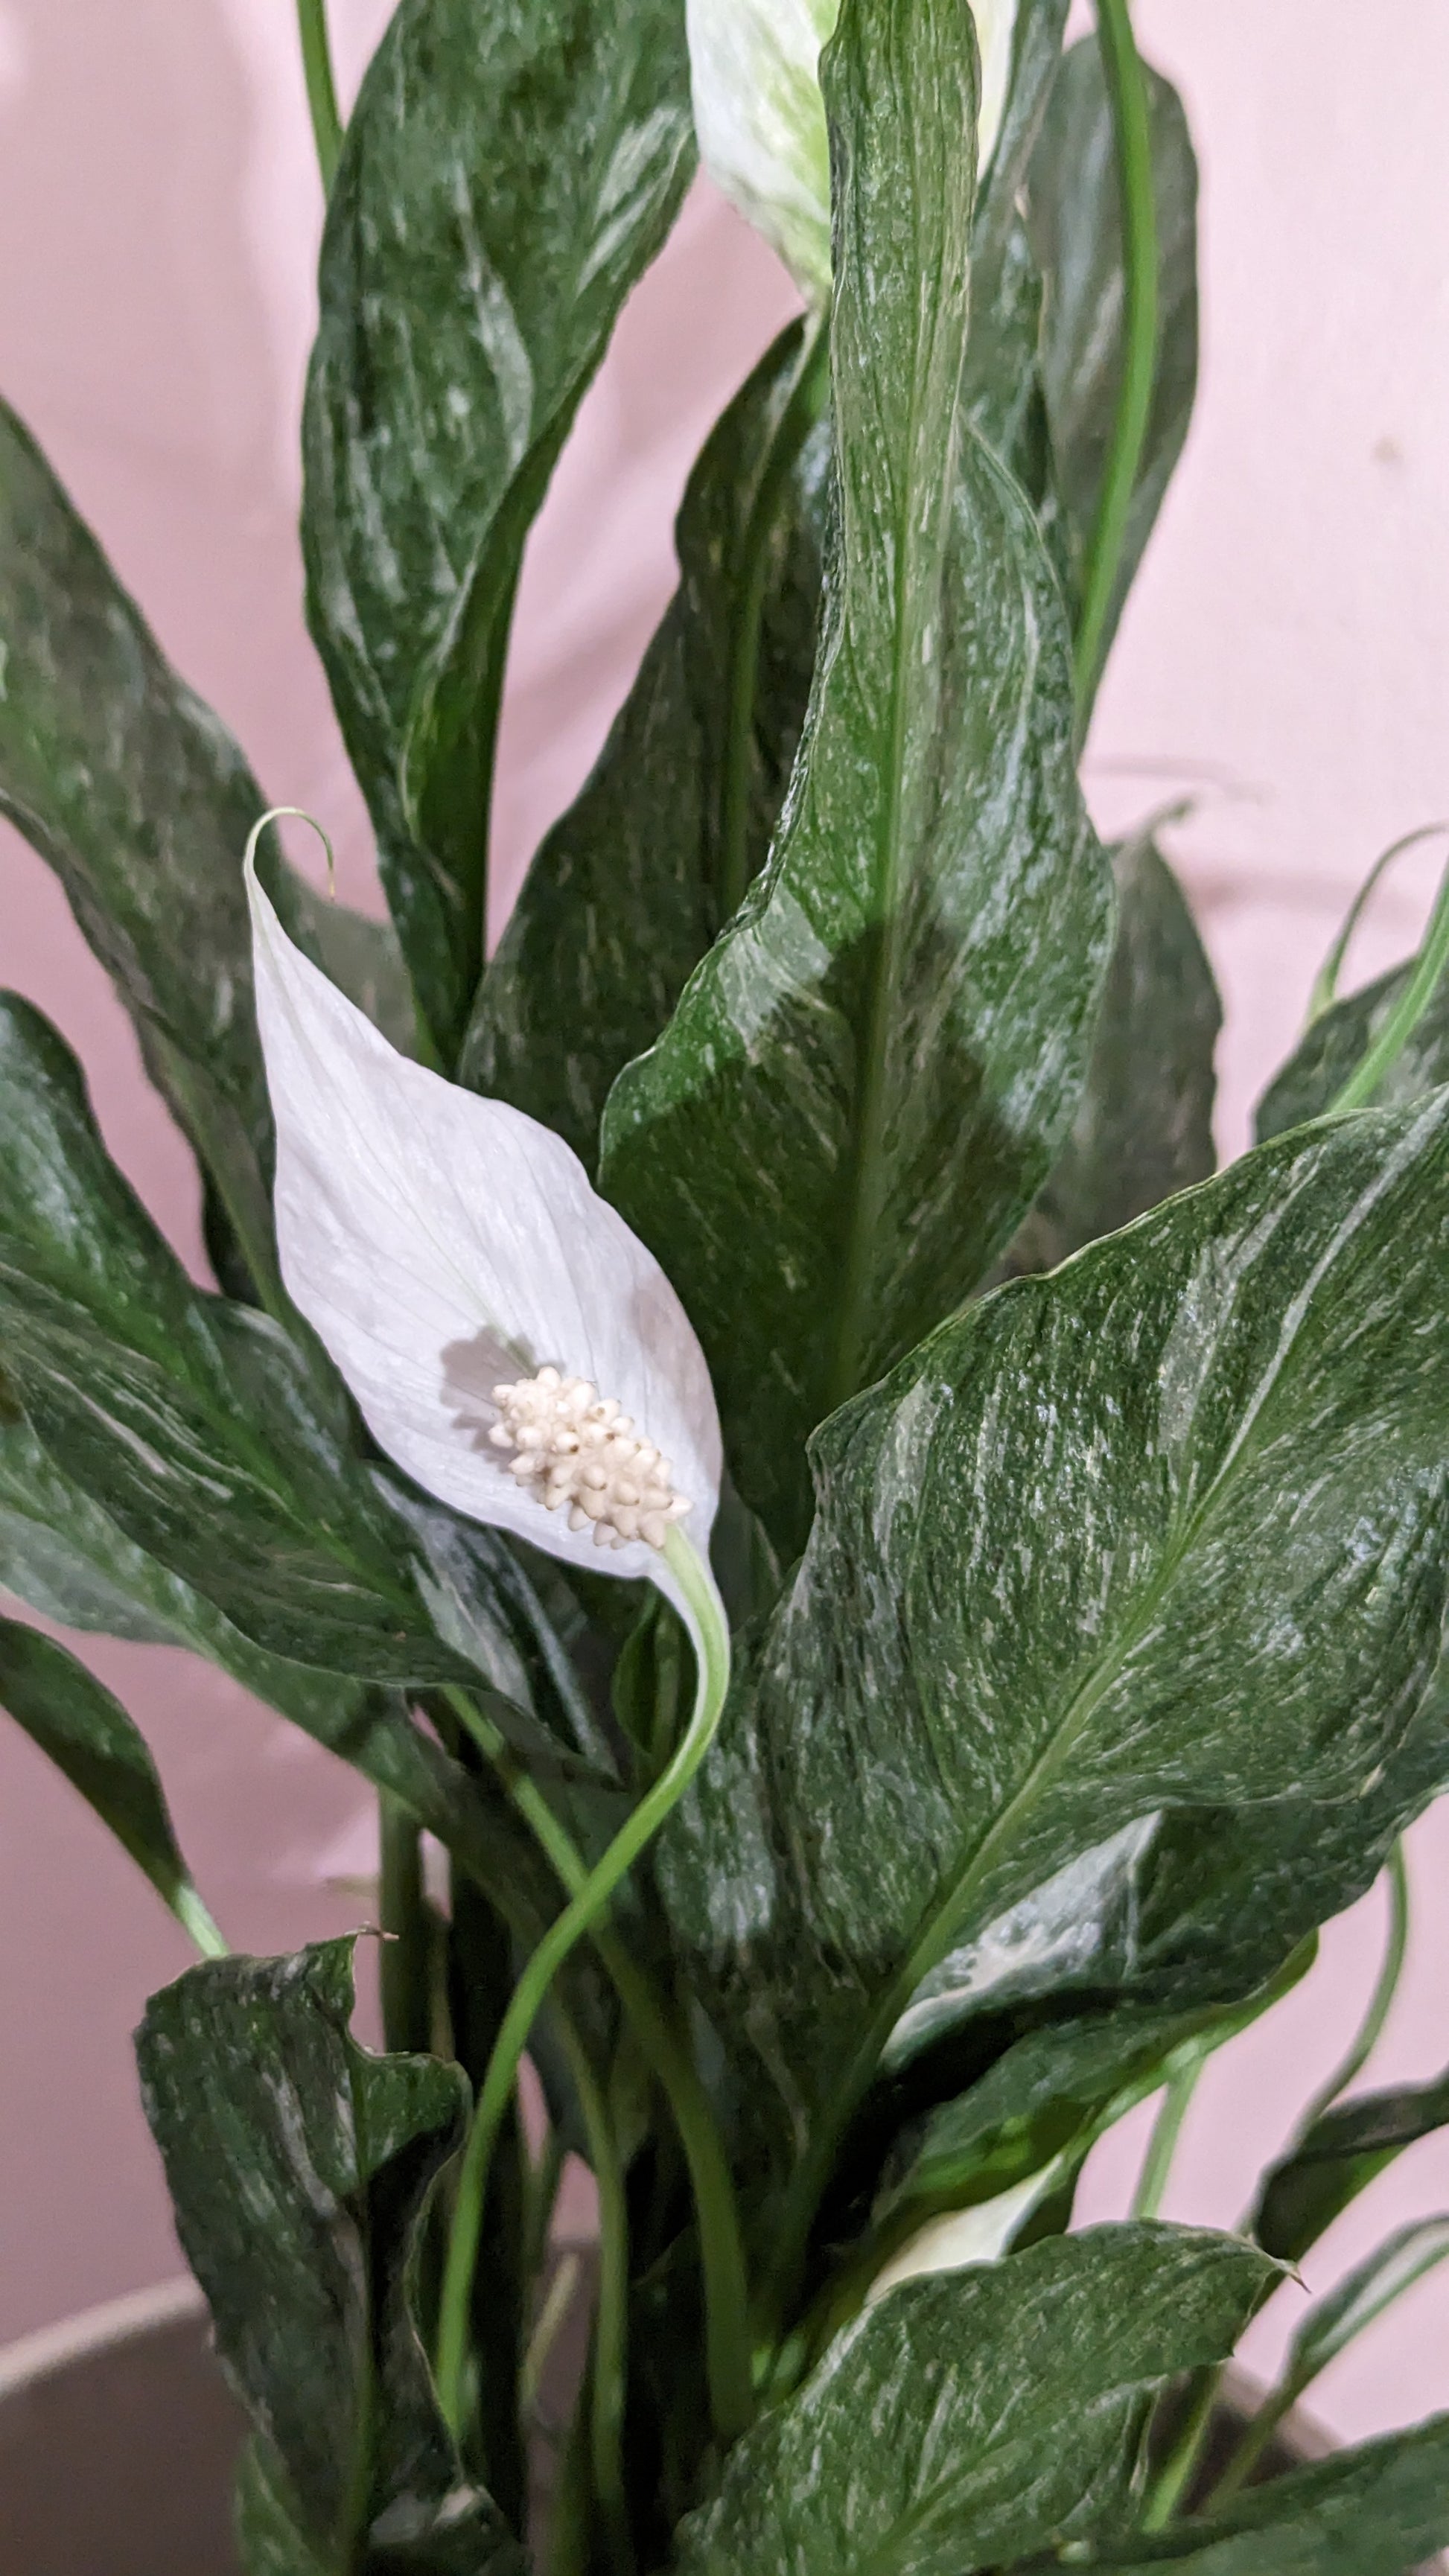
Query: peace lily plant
point(897, 1598)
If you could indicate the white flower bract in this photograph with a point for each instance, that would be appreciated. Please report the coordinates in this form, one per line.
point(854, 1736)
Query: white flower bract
point(760, 117)
point(468, 1282)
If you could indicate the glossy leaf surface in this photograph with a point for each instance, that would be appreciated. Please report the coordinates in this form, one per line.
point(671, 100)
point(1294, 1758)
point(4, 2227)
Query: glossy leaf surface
point(1339, 2157)
point(102, 1752)
point(205, 1434)
point(1052, 2093)
point(63, 1555)
point(1163, 1529)
point(1189, 1908)
point(1075, 223)
point(860, 1090)
point(1001, 389)
point(141, 802)
point(630, 888)
point(1377, 2511)
point(1143, 1128)
point(507, 174)
point(298, 2165)
point(971, 2420)
point(1336, 1043)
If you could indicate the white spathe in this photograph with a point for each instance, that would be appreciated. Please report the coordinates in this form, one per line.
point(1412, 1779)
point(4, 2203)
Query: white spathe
point(961, 2238)
point(440, 1244)
point(760, 117)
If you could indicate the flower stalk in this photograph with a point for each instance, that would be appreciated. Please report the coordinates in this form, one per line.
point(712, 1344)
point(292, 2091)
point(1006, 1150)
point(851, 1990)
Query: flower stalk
point(730, 2400)
point(321, 88)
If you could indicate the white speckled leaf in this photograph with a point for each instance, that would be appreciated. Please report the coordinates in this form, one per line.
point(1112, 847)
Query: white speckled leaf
point(1143, 1127)
point(1164, 1529)
point(861, 1088)
point(1331, 1049)
point(206, 1437)
point(967, 2421)
point(633, 883)
point(1074, 219)
point(1376, 2511)
point(299, 2165)
point(508, 172)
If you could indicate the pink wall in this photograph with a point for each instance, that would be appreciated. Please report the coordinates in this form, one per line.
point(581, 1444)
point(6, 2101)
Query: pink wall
point(1284, 656)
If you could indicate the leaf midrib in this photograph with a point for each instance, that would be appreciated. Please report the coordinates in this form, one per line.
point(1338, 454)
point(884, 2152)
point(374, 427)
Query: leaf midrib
point(868, 1159)
point(941, 1924)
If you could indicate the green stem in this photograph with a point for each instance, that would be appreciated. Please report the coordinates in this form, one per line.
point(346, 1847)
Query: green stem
point(732, 2400)
point(196, 1921)
point(407, 1949)
point(1132, 128)
point(1406, 1014)
point(1178, 2470)
point(1166, 2130)
point(721, 2250)
point(1255, 2440)
point(797, 419)
point(608, 2383)
point(1371, 2028)
point(1325, 989)
point(321, 88)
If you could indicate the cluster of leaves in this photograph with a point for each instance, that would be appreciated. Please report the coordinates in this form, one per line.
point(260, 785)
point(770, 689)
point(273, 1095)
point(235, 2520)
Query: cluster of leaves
point(1087, 1629)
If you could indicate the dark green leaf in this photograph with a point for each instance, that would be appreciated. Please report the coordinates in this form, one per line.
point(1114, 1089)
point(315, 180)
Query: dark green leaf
point(1001, 390)
point(89, 1737)
point(360, 956)
point(1144, 1126)
point(508, 172)
point(630, 888)
point(1074, 218)
point(860, 1090)
point(1336, 1043)
point(137, 796)
point(209, 1438)
point(65, 1556)
point(1163, 1529)
point(267, 2537)
point(1377, 2511)
point(1189, 1908)
point(1338, 2158)
point(1052, 2093)
point(967, 2420)
point(299, 2165)
point(1362, 2296)
point(141, 803)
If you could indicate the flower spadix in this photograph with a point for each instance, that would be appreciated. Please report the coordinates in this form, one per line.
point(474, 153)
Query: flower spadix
point(510, 1343)
point(760, 117)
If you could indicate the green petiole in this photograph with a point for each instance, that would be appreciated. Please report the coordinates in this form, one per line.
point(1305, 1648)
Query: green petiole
point(1406, 1014)
point(321, 87)
point(727, 2352)
point(1325, 988)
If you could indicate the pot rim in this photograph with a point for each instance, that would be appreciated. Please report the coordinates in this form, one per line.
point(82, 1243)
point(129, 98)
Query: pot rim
point(50, 2349)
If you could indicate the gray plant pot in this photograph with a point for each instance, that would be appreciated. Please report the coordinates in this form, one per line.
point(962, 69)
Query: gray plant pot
point(117, 2442)
point(118, 2438)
